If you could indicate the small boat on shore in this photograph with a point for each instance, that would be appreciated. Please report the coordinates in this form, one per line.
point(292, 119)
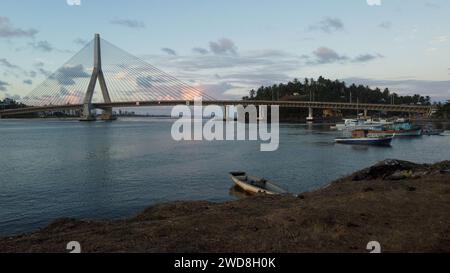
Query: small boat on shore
point(254, 185)
point(360, 137)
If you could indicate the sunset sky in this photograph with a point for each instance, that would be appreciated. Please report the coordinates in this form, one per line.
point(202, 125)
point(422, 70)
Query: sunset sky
point(229, 47)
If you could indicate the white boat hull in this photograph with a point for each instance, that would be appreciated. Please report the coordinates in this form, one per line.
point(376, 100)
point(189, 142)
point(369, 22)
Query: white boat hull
point(269, 187)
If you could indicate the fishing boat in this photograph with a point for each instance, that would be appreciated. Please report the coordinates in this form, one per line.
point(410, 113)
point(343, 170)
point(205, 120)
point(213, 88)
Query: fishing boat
point(360, 137)
point(254, 185)
point(399, 129)
point(359, 124)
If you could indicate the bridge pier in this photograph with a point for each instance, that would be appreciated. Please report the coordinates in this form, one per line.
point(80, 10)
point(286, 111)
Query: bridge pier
point(262, 114)
point(310, 117)
point(365, 113)
point(86, 113)
point(97, 74)
point(107, 114)
point(225, 113)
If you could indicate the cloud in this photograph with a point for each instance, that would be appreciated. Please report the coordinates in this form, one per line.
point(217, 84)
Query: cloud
point(29, 82)
point(327, 55)
point(255, 78)
point(9, 31)
point(374, 2)
point(385, 25)
point(169, 51)
point(230, 75)
point(44, 46)
point(223, 46)
point(439, 39)
point(80, 41)
point(367, 58)
point(233, 74)
point(218, 90)
point(31, 74)
point(437, 90)
point(250, 59)
point(67, 74)
point(328, 25)
point(4, 62)
point(128, 23)
point(3, 86)
point(200, 50)
point(432, 5)
point(74, 2)
point(39, 66)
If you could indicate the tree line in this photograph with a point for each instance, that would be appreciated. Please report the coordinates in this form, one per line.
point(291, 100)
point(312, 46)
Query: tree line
point(443, 110)
point(332, 91)
point(8, 103)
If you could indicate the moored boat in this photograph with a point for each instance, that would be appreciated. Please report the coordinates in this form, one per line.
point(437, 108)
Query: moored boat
point(359, 124)
point(379, 141)
point(254, 185)
point(398, 133)
point(430, 131)
point(399, 129)
point(360, 137)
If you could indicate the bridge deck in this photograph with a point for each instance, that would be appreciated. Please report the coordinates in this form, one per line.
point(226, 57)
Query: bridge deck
point(287, 104)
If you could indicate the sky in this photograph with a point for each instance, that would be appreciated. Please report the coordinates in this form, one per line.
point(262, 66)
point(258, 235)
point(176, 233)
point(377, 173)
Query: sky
point(229, 47)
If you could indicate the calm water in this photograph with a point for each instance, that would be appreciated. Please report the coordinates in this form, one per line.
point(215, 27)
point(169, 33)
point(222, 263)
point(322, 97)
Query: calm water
point(53, 169)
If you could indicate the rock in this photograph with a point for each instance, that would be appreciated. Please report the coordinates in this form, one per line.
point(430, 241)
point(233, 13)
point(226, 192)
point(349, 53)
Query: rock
point(417, 175)
point(400, 175)
point(390, 169)
point(412, 189)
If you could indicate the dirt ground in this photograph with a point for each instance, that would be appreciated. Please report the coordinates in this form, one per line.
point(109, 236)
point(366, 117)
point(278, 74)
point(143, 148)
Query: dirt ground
point(404, 206)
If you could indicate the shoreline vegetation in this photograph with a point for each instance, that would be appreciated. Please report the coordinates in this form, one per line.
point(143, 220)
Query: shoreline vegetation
point(402, 205)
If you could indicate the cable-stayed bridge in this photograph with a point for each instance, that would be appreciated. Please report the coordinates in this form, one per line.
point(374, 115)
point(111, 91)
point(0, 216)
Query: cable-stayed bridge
point(103, 76)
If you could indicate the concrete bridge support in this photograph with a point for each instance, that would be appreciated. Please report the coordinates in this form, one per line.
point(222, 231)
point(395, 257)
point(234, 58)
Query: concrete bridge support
point(97, 74)
point(262, 115)
point(310, 117)
point(107, 114)
point(225, 113)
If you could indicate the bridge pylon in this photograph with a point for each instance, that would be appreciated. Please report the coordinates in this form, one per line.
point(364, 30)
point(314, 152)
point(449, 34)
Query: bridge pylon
point(97, 74)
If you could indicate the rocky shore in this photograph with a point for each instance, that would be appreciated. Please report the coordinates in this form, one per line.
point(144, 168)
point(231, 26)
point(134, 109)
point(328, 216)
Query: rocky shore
point(402, 205)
